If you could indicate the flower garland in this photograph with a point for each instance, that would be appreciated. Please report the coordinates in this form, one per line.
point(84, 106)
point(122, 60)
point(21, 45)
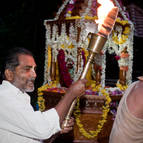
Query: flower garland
point(120, 39)
point(47, 66)
point(92, 133)
point(41, 100)
point(79, 17)
point(122, 87)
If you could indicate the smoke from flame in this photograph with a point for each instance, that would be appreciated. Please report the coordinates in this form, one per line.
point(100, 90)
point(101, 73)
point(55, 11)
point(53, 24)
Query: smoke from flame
point(103, 10)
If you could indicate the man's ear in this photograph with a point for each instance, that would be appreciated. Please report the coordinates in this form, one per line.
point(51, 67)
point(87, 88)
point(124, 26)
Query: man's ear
point(8, 74)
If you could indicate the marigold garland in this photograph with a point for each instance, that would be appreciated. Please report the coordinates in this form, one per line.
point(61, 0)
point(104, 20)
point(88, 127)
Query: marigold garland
point(120, 40)
point(125, 32)
point(49, 53)
point(92, 133)
point(122, 87)
point(41, 100)
point(78, 17)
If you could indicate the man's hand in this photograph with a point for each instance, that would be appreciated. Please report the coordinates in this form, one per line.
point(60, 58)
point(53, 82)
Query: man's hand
point(66, 129)
point(69, 126)
point(77, 88)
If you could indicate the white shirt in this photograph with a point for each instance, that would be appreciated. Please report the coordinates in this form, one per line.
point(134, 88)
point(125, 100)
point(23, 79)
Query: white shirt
point(19, 123)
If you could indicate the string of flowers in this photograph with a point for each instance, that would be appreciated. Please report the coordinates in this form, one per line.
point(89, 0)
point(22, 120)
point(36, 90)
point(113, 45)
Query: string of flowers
point(121, 87)
point(124, 29)
point(85, 17)
point(47, 66)
point(93, 133)
point(41, 100)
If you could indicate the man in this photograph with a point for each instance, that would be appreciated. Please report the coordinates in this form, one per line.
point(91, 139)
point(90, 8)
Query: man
point(19, 123)
point(128, 124)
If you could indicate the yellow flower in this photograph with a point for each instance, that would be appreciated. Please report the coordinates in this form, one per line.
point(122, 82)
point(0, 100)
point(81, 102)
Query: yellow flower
point(120, 40)
point(69, 12)
point(124, 34)
point(91, 133)
point(127, 30)
point(122, 87)
point(123, 22)
point(78, 17)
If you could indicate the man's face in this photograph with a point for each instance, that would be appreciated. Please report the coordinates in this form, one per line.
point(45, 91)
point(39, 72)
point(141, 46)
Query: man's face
point(24, 74)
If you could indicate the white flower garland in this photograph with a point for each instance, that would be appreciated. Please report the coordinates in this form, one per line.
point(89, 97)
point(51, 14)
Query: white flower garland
point(63, 41)
point(87, 10)
point(103, 67)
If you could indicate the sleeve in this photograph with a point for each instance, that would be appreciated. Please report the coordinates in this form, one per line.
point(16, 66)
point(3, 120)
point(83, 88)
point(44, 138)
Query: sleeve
point(20, 118)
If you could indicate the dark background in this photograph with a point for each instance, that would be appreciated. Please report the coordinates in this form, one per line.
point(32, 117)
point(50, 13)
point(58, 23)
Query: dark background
point(22, 24)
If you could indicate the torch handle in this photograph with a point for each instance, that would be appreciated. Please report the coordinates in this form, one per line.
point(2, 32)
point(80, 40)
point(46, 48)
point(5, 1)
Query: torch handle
point(95, 46)
point(69, 112)
point(75, 101)
point(87, 66)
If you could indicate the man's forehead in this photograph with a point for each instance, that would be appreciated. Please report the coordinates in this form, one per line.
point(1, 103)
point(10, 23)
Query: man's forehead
point(26, 60)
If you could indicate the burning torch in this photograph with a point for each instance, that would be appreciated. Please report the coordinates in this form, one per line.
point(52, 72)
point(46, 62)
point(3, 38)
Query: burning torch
point(105, 25)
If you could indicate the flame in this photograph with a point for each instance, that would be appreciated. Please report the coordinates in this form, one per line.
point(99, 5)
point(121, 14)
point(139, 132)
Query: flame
point(103, 10)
